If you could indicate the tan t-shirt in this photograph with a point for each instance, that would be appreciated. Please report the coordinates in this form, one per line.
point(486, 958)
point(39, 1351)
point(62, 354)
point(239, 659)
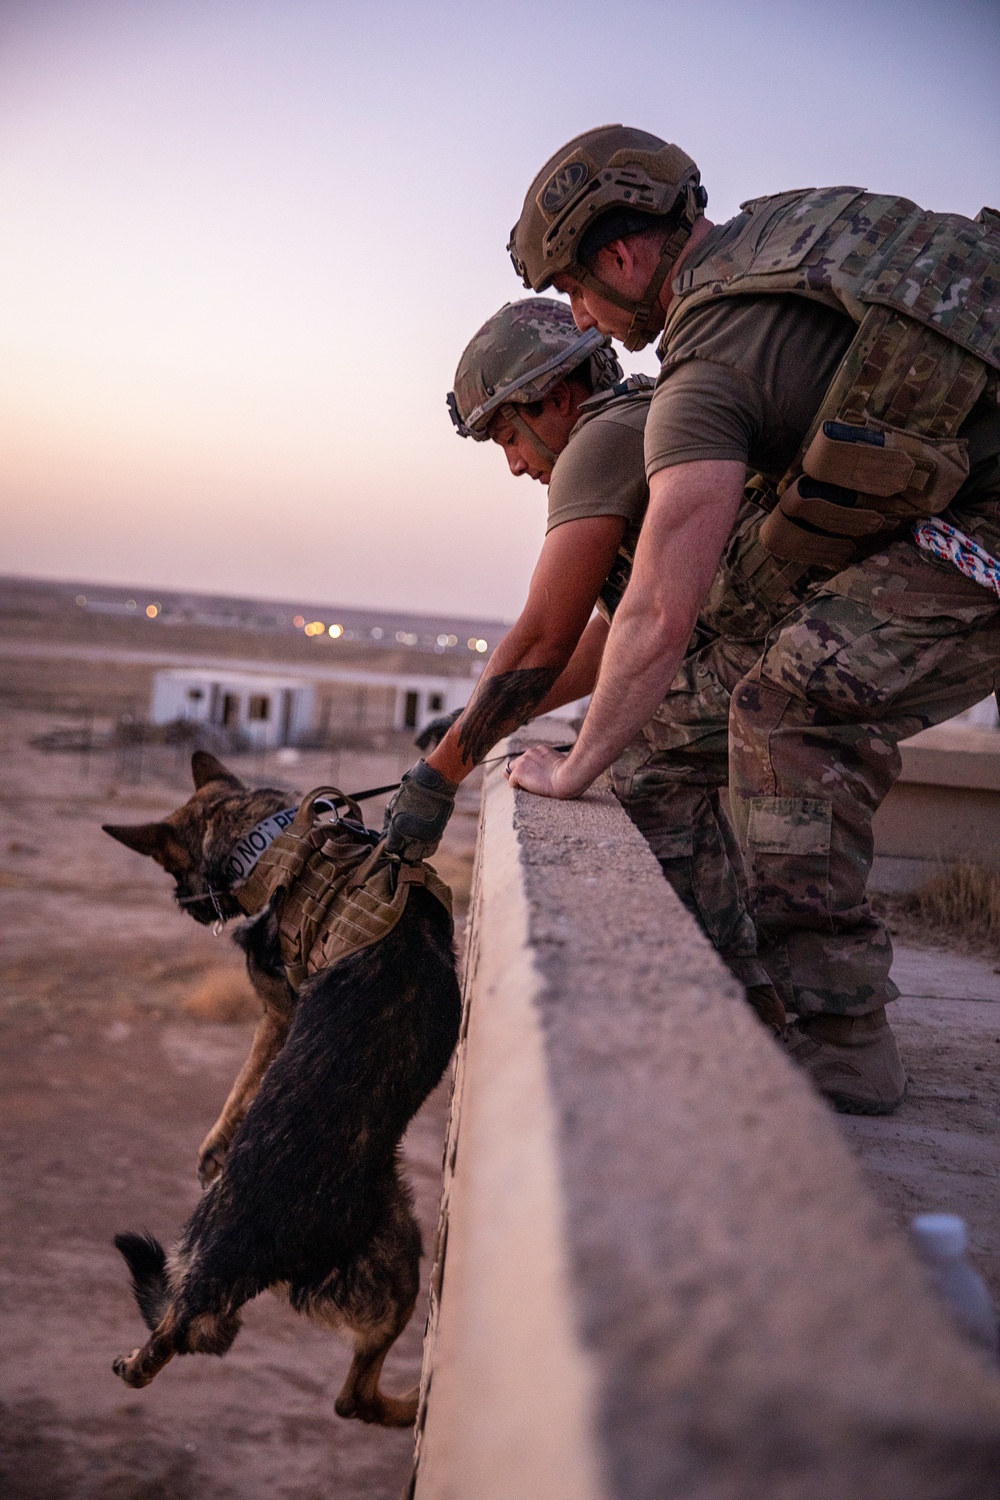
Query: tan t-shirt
point(742, 379)
point(601, 472)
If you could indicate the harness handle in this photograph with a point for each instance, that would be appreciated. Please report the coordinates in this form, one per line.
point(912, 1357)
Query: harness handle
point(306, 813)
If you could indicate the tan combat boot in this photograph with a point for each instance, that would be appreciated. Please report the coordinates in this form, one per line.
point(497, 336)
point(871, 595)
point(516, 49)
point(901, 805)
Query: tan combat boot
point(852, 1060)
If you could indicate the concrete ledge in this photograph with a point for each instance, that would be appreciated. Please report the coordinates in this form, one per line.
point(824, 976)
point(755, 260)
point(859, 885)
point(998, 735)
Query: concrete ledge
point(944, 807)
point(659, 1273)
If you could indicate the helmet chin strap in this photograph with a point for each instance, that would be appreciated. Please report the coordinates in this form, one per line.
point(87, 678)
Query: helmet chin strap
point(645, 323)
point(514, 417)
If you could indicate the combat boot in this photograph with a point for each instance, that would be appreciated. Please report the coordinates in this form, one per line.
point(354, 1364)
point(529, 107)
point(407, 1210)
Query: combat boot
point(852, 1060)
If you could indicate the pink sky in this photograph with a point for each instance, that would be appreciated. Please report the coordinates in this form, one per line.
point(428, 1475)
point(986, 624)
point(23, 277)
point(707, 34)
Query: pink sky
point(243, 246)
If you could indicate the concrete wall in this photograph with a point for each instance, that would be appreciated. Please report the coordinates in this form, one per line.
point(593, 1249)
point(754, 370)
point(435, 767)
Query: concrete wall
point(658, 1274)
point(944, 807)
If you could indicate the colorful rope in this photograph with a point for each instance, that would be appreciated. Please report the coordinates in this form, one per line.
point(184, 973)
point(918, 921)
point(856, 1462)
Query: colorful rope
point(950, 544)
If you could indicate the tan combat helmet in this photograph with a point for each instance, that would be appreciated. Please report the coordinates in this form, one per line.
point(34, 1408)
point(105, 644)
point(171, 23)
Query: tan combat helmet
point(612, 169)
point(516, 358)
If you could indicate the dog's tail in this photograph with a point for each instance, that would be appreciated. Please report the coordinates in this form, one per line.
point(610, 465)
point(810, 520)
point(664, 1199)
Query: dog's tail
point(147, 1261)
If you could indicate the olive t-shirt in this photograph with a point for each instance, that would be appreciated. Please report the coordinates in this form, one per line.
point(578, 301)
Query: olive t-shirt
point(742, 379)
point(601, 472)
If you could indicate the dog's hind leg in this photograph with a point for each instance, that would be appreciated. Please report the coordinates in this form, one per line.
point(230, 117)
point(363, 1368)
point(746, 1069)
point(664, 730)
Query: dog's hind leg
point(138, 1368)
point(207, 1333)
point(373, 1298)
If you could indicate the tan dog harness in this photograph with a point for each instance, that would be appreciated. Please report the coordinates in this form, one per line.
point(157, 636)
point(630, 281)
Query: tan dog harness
point(340, 895)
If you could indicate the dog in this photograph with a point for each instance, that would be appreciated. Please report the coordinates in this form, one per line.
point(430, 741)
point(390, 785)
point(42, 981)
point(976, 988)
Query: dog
point(304, 1190)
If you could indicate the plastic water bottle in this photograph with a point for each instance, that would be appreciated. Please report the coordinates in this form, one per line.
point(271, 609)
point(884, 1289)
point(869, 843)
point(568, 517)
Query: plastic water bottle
point(941, 1241)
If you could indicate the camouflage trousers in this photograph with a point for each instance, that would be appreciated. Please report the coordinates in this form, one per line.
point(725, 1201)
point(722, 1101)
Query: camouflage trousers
point(671, 781)
point(803, 728)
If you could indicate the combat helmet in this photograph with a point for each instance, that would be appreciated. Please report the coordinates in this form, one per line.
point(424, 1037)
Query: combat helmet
point(613, 169)
point(517, 357)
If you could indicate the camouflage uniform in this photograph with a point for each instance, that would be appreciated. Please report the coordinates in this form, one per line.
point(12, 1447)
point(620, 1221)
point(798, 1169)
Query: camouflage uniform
point(888, 647)
point(670, 779)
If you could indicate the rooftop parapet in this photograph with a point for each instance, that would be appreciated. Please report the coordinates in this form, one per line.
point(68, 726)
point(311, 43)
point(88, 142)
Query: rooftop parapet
point(659, 1272)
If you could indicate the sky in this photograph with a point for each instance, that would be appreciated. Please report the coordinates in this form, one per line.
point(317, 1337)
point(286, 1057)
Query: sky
point(244, 242)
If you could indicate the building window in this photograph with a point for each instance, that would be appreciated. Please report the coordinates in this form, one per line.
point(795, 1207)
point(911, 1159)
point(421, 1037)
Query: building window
point(195, 694)
point(231, 711)
point(435, 703)
point(411, 707)
point(260, 708)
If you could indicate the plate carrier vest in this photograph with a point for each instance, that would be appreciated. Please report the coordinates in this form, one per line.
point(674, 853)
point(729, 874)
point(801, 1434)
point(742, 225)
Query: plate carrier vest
point(924, 290)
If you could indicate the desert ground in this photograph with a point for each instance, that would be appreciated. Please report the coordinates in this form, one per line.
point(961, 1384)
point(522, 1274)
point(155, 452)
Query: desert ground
point(124, 1024)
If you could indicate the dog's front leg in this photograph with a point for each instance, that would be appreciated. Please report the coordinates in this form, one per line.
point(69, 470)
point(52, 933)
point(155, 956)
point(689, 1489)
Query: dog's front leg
point(268, 1040)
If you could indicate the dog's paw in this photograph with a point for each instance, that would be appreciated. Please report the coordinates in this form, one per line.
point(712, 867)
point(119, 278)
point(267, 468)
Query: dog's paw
point(124, 1369)
point(210, 1159)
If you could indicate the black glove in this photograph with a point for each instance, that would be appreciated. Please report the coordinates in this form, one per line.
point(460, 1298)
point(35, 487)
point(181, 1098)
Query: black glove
point(433, 733)
point(418, 814)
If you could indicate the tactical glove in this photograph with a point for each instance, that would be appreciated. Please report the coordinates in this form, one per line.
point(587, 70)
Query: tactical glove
point(433, 733)
point(418, 814)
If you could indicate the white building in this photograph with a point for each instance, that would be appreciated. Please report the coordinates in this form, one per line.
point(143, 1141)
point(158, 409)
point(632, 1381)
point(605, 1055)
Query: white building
point(268, 710)
point(273, 710)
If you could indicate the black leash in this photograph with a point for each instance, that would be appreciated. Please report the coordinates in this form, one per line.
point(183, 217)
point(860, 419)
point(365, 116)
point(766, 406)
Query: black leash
point(379, 791)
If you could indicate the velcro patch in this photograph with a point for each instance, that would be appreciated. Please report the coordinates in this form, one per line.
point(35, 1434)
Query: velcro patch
point(790, 825)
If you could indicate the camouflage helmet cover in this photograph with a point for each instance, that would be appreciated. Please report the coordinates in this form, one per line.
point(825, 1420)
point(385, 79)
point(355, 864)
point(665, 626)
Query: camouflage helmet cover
point(518, 356)
point(611, 167)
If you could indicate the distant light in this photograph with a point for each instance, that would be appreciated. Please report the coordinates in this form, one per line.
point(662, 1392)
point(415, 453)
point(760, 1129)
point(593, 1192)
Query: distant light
point(152, 610)
point(335, 631)
point(406, 638)
point(447, 640)
point(130, 604)
point(315, 627)
point(482, 645)
point(81, 599)
point(376, 633)
point(298, 621)
point(476, 643)
point(453, 640)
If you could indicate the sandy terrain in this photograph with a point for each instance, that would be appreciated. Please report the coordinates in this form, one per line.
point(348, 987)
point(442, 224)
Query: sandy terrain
point(107, 1088)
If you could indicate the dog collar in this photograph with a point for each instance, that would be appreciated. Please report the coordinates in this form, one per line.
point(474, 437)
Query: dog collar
point(250, 848)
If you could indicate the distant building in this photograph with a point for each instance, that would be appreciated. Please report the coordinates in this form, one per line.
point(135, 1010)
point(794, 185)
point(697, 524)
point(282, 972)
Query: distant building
point(271, 710)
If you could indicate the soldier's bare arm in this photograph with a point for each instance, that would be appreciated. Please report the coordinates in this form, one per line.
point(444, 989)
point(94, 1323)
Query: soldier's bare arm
point(691, 512)
point(530, 660)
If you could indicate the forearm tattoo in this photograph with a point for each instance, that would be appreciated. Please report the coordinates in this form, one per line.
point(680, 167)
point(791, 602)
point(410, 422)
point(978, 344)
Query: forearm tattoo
point(503, 703)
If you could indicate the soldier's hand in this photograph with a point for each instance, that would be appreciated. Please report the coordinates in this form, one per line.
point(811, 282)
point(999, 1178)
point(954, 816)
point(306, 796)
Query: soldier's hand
point(433, 733)
point(418, 814)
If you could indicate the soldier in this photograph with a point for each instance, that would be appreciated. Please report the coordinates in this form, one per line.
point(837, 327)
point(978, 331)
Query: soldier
point(554, 400)
point(846, 345)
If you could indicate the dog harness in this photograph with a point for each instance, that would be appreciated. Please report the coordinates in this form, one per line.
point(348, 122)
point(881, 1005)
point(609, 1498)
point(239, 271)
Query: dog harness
point(336, 892)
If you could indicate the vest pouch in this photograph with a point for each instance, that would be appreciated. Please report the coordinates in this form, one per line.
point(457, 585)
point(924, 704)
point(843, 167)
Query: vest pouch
point(920, 476)
point(799, 529)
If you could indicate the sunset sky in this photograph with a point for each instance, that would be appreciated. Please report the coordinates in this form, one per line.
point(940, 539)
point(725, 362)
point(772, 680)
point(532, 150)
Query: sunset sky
point(242, 246)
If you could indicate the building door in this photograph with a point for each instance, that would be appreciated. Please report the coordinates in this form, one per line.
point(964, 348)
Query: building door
point(411, 709)
point(231, 711)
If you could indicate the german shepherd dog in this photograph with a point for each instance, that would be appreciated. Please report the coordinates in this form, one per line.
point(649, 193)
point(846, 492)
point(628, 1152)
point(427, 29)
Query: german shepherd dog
point(304, 1189)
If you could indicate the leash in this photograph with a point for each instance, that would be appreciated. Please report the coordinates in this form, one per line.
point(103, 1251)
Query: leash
point(378, 791)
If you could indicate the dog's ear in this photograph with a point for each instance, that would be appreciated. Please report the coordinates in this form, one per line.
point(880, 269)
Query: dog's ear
point(205, 768)
point(155, 839)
